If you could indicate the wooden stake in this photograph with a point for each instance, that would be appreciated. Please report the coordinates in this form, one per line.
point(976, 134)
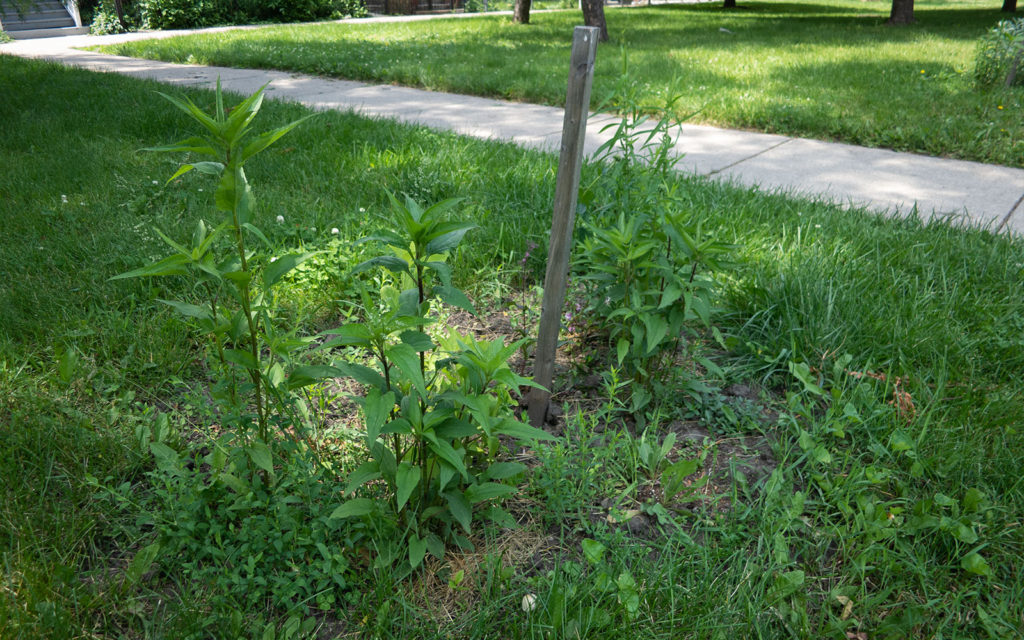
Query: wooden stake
point(574, 130)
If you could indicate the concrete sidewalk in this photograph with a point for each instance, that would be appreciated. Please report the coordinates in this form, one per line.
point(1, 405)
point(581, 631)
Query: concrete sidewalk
point(988, 195)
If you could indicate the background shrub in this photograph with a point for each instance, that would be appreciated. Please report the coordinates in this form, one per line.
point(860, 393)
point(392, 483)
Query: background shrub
point(186, 14)
point(997, 51)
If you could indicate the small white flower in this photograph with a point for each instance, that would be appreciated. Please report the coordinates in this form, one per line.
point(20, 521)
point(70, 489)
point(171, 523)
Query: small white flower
point(362, 210)
point(312, 228)
point(156, 182)
point(817, 226)
point(529, 602)
point(334, 231)
point(63, 199)
point(273, 259)
point(200, 189)
point(82, 203)
point(280, 219)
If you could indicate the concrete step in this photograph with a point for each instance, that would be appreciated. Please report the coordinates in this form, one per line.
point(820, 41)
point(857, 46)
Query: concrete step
point(55, 22)
point(41, 15)
point(28, 34)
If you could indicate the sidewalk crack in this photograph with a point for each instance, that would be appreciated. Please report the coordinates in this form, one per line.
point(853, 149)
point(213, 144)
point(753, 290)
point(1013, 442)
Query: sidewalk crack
point(1009, 214)
point(741, 160)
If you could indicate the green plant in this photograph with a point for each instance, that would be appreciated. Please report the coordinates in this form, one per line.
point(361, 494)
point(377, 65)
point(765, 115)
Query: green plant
point(106, 20)
point(1000, 56)
point(237, 538)
point(436, 405)
point(642, 257)
point(177, 14)
point(236, 282)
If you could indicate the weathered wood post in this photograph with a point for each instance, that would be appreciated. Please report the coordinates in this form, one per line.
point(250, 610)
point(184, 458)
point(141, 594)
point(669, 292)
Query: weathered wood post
point(574, 129)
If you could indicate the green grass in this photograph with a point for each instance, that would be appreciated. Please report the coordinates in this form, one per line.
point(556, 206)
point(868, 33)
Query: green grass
point(940, 307)
point(829, 71)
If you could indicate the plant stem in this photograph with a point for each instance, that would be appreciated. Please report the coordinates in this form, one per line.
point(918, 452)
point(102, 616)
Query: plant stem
point(243, 291)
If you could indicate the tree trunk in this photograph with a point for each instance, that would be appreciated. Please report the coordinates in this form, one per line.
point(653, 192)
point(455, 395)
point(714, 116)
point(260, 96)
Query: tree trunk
point(120, 14)
point(902, 12)
point(729, 4)
point(521, 11)
point(1009, 6)
point(593, 16)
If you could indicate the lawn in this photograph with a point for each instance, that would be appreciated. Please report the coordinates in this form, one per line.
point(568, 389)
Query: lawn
point(854, 413)
point(829, 71)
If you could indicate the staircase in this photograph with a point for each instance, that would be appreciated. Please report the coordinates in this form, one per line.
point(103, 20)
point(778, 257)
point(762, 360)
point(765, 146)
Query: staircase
point(42, 19)
point(409, 7)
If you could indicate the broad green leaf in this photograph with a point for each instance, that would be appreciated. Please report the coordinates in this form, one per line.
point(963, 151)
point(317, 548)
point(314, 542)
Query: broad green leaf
point(454, 297)
point(974, 563)
point(449, 455)
point(309, 374)
point(67, 365)
point(503, 470)
point(900, 441)
point(802, 372)
point(418, 340)
point(170, 266)
point(254, 230)
point(434, 211)
point(240, 279)
point(964, 532)
point(453, 428)
point(628, 595)
point(190, 310)
point(366, 472)
point(141, 562)
point(459, 508)
point(447, 474)
point(376, 411)
point(521, 430)
point(973, 500)
point(353, 334)
point(488, 491)
point(622, 349)
point(788, 583)
point(405, 358)
point(671, 293)
point(593, 551)
point(449, 240)
point(270, 137)
point(361, 374)
point(417, 549)
point(276, 269)
point(234, 482)
point(435, 546)
point(166, 457)
point(242, 115)
point(656, 327)
point(195, 113)
point(353, 508)
point(260, 455)
point(821, 454)
point(443, 271)
point(407, 478)
point(682, 468)
point(391, 263)
point(233, 193)
point(195, 144)
point(241, 358)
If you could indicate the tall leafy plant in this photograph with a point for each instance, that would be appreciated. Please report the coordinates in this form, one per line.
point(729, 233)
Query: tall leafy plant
point(643, 258)
point(235, 282)
point(436, 405)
